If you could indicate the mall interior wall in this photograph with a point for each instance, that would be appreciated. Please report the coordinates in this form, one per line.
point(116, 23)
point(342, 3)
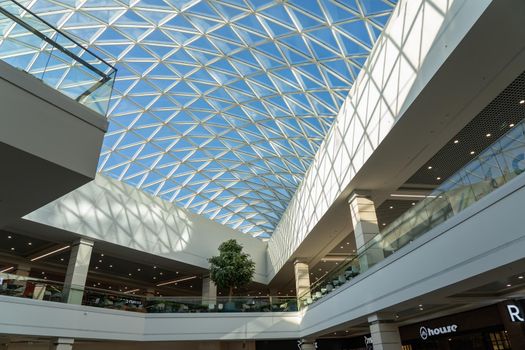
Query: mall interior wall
point(112, 211)
point(414, 45)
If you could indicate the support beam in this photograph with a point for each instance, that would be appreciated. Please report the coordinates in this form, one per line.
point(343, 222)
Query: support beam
point(302, 280)
point(384, 332)
point(77, 271)
point(364, 220)
point(209, 291)
point(61, 344)
point(22, 270)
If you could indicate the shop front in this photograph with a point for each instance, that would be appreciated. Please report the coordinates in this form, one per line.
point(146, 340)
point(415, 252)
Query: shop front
point(496, 327)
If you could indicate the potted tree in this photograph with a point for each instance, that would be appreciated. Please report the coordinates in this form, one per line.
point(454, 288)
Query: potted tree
point(231, 268)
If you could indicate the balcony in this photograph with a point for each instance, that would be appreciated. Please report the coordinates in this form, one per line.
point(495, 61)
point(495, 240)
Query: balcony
point(54, 96)
point(496, 166)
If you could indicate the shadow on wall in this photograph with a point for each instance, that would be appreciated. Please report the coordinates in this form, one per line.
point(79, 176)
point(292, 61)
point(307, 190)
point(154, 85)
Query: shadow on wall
point(109, 210)
point(383, 90)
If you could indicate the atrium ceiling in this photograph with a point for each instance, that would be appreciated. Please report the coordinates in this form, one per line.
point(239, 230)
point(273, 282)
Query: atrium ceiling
point(220, 105)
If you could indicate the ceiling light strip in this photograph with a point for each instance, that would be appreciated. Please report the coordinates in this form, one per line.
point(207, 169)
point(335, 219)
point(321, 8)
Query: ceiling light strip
point(50, 253)
point(176, 281)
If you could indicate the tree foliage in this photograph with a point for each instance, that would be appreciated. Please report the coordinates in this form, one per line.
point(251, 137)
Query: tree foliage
point(231, 268)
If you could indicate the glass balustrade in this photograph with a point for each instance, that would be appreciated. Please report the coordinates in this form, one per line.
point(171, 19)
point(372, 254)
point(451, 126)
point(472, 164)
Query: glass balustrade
point(42, 289)
point(31, 44)
point(495, 166)
point(29, 287)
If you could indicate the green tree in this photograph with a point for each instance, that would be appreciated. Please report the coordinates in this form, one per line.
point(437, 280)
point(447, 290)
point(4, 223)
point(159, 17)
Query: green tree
point(231, 268)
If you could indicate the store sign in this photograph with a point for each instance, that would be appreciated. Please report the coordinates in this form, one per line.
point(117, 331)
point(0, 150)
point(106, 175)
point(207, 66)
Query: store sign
point(425, 332)
point(515, 313)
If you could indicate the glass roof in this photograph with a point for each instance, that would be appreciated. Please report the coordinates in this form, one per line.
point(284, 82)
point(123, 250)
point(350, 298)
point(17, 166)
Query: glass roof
point(220, 105)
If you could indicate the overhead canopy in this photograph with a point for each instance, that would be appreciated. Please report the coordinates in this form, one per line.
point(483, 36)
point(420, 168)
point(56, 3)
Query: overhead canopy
point(220, 106)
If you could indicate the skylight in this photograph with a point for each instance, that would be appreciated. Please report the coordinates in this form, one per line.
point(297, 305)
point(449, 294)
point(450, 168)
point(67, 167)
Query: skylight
point(220, 106)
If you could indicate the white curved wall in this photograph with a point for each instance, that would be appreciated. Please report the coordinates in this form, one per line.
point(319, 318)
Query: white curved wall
point(109, 210)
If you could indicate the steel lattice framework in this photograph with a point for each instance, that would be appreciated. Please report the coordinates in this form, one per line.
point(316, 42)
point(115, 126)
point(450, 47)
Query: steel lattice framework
point(220, 105)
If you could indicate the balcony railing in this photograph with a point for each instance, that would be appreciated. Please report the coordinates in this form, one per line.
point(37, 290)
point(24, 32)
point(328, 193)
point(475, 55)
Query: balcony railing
point(42, 289)
point(494, 167)
point(31, 44)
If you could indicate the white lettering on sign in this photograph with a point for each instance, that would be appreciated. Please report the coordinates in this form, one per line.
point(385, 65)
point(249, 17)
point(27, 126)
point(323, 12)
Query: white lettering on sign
point(425, 332)
point(514, 313)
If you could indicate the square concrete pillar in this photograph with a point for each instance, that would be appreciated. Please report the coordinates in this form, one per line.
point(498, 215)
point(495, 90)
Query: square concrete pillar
point(384, 332)
point(302, 279)
point(77, 271)
point(209, 291)
point(364, 220)
point(61, 344)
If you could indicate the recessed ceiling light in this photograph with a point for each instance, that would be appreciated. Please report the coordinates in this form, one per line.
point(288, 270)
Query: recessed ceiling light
point(347, 242)
point(110, 265)
point(43, 273)
point(154, 267)
point(341, 247)
point(102, 255)
point(161, 273)
point(154, 277)
point(29, 243)
point(438, 178)
point(522, 102)
point(61, 259)
point(413, 203)
point(520, 277)
point(509, 285)
point(138, 270)
point(429, 167)
point(384, 224)
point(456, 141)
point(488, 135)
point(96, 267)
point(391, 207)
point(100, 260)
point(9, 237)
point(12, 248)
point(129, 274)
point(511, 125)
point(472, 152)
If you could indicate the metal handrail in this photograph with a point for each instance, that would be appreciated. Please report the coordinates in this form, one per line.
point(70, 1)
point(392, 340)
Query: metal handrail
point(105, 77)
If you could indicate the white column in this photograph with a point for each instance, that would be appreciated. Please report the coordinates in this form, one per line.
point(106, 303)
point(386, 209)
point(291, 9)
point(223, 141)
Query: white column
point(77, 271)
point(61, 344)
point(364, 220)
point(384, 332)
point(22, 270)
point(209, 291)
point(302, 280)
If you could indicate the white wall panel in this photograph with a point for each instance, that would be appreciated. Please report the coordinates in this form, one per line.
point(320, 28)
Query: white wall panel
point(109, 210)
point(420, 36)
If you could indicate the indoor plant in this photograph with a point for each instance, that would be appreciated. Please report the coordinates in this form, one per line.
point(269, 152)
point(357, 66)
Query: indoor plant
point(231, 269)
